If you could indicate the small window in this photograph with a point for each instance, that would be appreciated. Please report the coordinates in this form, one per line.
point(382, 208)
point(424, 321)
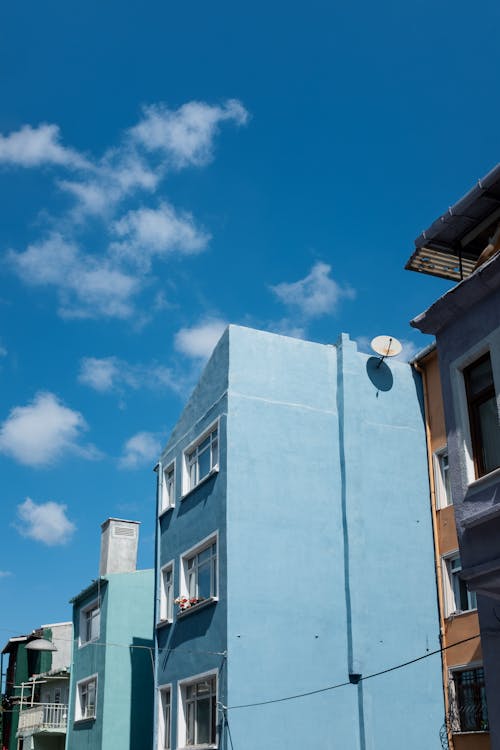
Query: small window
point(483, 415)
point(468, 708)
point(168, 488)
point(198, 722)
point(442, 479)
point(201, 459)
point(167, 593)
point(165, 720)
point(458, 597)
point(86, 695)
point(90, 622)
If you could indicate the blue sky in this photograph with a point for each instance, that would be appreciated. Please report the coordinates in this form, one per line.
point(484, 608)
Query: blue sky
point(168, 168)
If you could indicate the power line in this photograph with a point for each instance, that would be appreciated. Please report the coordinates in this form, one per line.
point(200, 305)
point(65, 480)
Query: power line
point(344, 684)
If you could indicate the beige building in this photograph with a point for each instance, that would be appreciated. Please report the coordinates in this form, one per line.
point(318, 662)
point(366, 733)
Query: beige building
point(466, 726)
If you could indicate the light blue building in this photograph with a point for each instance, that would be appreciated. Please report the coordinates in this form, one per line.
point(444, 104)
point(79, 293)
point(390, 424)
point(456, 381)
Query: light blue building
point(111, 690)
point(294, 531)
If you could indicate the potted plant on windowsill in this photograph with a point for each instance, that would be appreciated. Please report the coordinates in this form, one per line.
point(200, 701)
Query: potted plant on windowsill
point(184, 602)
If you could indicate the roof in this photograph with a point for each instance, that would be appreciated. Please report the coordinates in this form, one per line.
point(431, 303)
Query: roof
point(450, 247)
point(86, 591)
point(460, 298)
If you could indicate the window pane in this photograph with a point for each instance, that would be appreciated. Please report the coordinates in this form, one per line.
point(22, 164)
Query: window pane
point(480, 376)
point(203, 721)
point(204, 580)
point(215, 452)
point(490, 434)
point(204, 463)
point(190, 735)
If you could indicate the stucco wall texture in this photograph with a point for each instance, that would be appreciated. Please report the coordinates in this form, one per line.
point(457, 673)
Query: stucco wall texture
point(325, 549)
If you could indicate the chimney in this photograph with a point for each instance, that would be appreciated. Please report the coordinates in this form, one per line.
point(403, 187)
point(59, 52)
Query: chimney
point(119, 541)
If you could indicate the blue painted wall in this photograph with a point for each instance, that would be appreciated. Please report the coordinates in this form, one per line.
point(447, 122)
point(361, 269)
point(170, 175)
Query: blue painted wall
point(122, 660)
point(326, 555)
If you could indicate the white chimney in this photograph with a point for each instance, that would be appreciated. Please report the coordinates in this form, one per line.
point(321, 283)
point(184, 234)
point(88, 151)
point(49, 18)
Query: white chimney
point(119, 541)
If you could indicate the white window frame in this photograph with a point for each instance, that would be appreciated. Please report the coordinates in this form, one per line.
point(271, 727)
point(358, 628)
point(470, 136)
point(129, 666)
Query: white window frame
point(164, 731)
point(188, 555)
point(489, 345)
point(166, 613)
point(191, 480)
point(443, 499)
point(182, 738)
point(84, 612)
point(452, 606)
point(80, 685)
point(167, 495)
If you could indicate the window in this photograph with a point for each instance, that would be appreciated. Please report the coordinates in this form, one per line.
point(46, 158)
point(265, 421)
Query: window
point(469, 712)
point(165, 719)
point(168, 488)
point(86, 694)
point(201, 459)
point(458, 598)
point(483, 415)
point(90, 620)
point(442, 479)
point(200, 573)
point(167, 593)
point(198, 720)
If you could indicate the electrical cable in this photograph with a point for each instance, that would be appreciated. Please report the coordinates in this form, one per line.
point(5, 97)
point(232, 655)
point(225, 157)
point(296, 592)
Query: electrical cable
point(344, 684)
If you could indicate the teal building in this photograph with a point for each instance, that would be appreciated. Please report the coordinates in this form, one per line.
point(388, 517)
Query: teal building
point(111, 690)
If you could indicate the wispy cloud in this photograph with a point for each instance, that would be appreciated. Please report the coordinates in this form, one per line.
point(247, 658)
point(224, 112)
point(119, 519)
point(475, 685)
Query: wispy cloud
point(149, 232)
point(5, 573)
point(88, 286)
point(44, 522)
point(39, 146)
point(185, 136)
point(142, 448)
point(43, 431)
point(198, 341)
point(105, 281)
point(315, 295)
point(109, 374)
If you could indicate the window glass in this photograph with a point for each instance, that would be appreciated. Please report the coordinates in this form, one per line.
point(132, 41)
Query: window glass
point(483, 415)
point(469, 708)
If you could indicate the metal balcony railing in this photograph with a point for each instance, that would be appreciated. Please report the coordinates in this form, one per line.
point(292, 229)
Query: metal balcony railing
point(42, 717)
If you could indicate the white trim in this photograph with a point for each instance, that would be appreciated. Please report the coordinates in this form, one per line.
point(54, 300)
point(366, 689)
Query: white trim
point(186, 488)
point(191, 552)
point(489, 345)
point(165, 503)
point(442, 500)
point(95, 604)
point(78, 706)
point(161, 717)
point(181, 714)
point(163, 601)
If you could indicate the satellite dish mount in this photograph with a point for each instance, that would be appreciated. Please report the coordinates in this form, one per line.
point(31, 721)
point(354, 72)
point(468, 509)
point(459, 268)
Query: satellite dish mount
point(385, 346)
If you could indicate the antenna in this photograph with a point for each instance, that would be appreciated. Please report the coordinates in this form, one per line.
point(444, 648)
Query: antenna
point(386, 346)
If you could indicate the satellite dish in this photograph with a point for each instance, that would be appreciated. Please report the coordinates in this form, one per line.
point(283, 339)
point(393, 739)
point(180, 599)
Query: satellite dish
point(386, 346)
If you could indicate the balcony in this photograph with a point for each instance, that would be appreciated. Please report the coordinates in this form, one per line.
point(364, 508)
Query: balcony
point(43, 717)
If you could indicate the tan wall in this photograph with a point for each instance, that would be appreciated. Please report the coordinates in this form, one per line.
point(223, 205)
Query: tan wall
point(463, 626)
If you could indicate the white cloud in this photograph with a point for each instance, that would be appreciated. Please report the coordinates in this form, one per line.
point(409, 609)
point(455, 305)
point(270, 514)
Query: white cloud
point(140, 449)
point(198, 342)
point(5, 573)
point(35, 147)
point(89, 287)
point(316, 294)
point(3, 351)
point(113, 374)
point(44, 522)
point(185, 136)
point(42, 432)
point(149, 232)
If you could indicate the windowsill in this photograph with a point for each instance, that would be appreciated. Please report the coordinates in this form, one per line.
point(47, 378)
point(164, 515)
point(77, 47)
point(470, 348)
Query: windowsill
point(198, 747)
point(82, 645)
point(190, 610)
point(165, 511)
point(162, 623)
point(481, 482)
point(489, 514)
point(454, 615)
point(473, 731)
point(210, 474)
point(84, 721)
